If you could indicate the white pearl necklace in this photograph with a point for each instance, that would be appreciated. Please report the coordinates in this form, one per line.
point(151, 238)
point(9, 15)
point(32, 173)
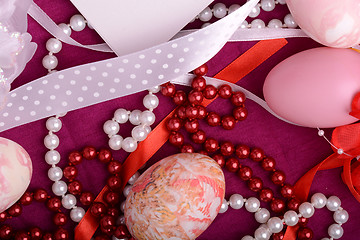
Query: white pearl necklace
point(275, 224)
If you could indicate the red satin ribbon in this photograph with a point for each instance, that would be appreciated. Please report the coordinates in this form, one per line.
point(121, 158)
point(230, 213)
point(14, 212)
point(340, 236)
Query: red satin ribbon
point(243, 65)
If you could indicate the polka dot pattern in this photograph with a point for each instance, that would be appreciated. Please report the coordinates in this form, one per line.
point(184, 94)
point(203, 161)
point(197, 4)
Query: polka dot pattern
point(105, 80)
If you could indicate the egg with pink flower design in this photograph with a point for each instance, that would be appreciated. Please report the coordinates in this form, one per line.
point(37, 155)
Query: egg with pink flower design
point(15, 172)
point(176, 198)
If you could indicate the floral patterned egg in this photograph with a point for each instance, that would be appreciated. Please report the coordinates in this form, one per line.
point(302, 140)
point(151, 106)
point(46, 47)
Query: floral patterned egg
point(176, 198)
point(15, 172)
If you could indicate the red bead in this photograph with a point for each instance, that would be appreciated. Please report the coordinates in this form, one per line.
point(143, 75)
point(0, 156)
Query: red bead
point(26, 198)
point(278, 177)
point(113, 212)
point(213, 119)
point(232, 164)
point(114, 182)
point(294, 204)
point(102, 237)
point(238, 99)
point(278, 236)
point(173, 124)
point(303, 221)
point(3, 216)
point(305, 233)
point(181, 112)
point(114, 167)
point(40, 195)
point(75, 187)
point(277, 205)
point(220, 159)
point(179, 97)
point(75, 158)
point(35, 233)
point(242, 151)
point(48, 236)
point(111, 198)
point(22, 235)
point(87, 198)
point(6, 232)
point(225, 91)
point(227, 148)
point(192, 126)
point(202, 112)
point(107, 222)
point(191, 112)
point(53, 204)
point(198, 83)
point(187, 148)
point(266, 195)
point(60, 219)
point(257, 154)
point(168, 89)
point(195, 97)
point(105, 155)
point(15, 210)
point(176, 139)
point(201, 71)
point(122, 232)
point(70, 172)
point(203, 152)
point(245, 173)
point(98, 209)
point(211, 145)
point(240, 113)
point(107, 231)
point(199, 137)
point(228, 122)
point(89, 153)
point(268, 164)
point(61, 234)
point(287, 191)
point(210, 92)
point(255, 184)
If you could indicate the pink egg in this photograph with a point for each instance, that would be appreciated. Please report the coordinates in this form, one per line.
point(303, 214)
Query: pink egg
point(330, 22)
point(315, 88)
point(176, 198)
point(15, 172)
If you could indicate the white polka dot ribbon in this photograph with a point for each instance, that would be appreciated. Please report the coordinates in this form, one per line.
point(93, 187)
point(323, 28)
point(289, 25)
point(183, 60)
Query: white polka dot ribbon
point(93, 83)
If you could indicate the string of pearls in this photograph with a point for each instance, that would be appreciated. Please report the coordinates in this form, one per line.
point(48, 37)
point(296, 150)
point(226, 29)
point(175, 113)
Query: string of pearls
point(291, 218)
point(52, 157)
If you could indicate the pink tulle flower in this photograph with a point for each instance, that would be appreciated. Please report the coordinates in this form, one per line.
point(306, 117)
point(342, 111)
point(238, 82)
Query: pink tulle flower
point(16, 48)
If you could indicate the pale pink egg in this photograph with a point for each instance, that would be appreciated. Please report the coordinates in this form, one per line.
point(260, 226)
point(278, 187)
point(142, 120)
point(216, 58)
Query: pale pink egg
point(176, 198)
point(330, 22)
point(15, 172)
point(315, 88)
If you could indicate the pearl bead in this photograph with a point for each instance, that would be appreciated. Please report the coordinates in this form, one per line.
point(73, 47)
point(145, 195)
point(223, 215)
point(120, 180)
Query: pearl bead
point(219, 10)
point(267, 5)
point(133, 178)
point(53, 124)
point(115, 238)
point(291, 218)
point(76, 214)
point(77, 22)
point(335, 231)
point(262, 216)
point(244, 24)
point(341, 216)
point(318, 200)
point(275, 224)
point(282, 2)
point(66, 28)
point(333, 203)
point(135, 117)
point(51, 141)
point(115, 142)
point(236, 201)
point(325, 239)
point(127, 190)
point(68, 201)
point(53, 45)
point(121, 115)
point(111, 127)
point(321, 133)
point(257, 23)
point(275, 23)
point(147, 129)
point(147, 117)
point(129, 144)
point(122, 206)
point(59, 188)
point(255, 11)
point(139, 133)
point(151, 101)
point(252, 204)
point(262, 233)
point(155, 89)
point(306, 210)
point(50, 62)
point(247, 237)
point(55, 173)
point(224, 206)
point(233, 8)
point(120, 220)
point(205, 15)
point(289, 21)
point(52, 157)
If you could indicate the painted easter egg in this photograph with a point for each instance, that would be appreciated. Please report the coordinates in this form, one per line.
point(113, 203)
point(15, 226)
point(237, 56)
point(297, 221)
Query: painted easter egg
point(332, 23)
point(176, 198)
point(315, 88)
point(15, 172)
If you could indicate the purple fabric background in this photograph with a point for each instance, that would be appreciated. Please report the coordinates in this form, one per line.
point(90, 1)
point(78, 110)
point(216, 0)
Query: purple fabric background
point(295, 149)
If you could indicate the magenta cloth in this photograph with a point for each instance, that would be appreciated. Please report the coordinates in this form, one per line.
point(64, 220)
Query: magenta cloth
point(295, 149)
